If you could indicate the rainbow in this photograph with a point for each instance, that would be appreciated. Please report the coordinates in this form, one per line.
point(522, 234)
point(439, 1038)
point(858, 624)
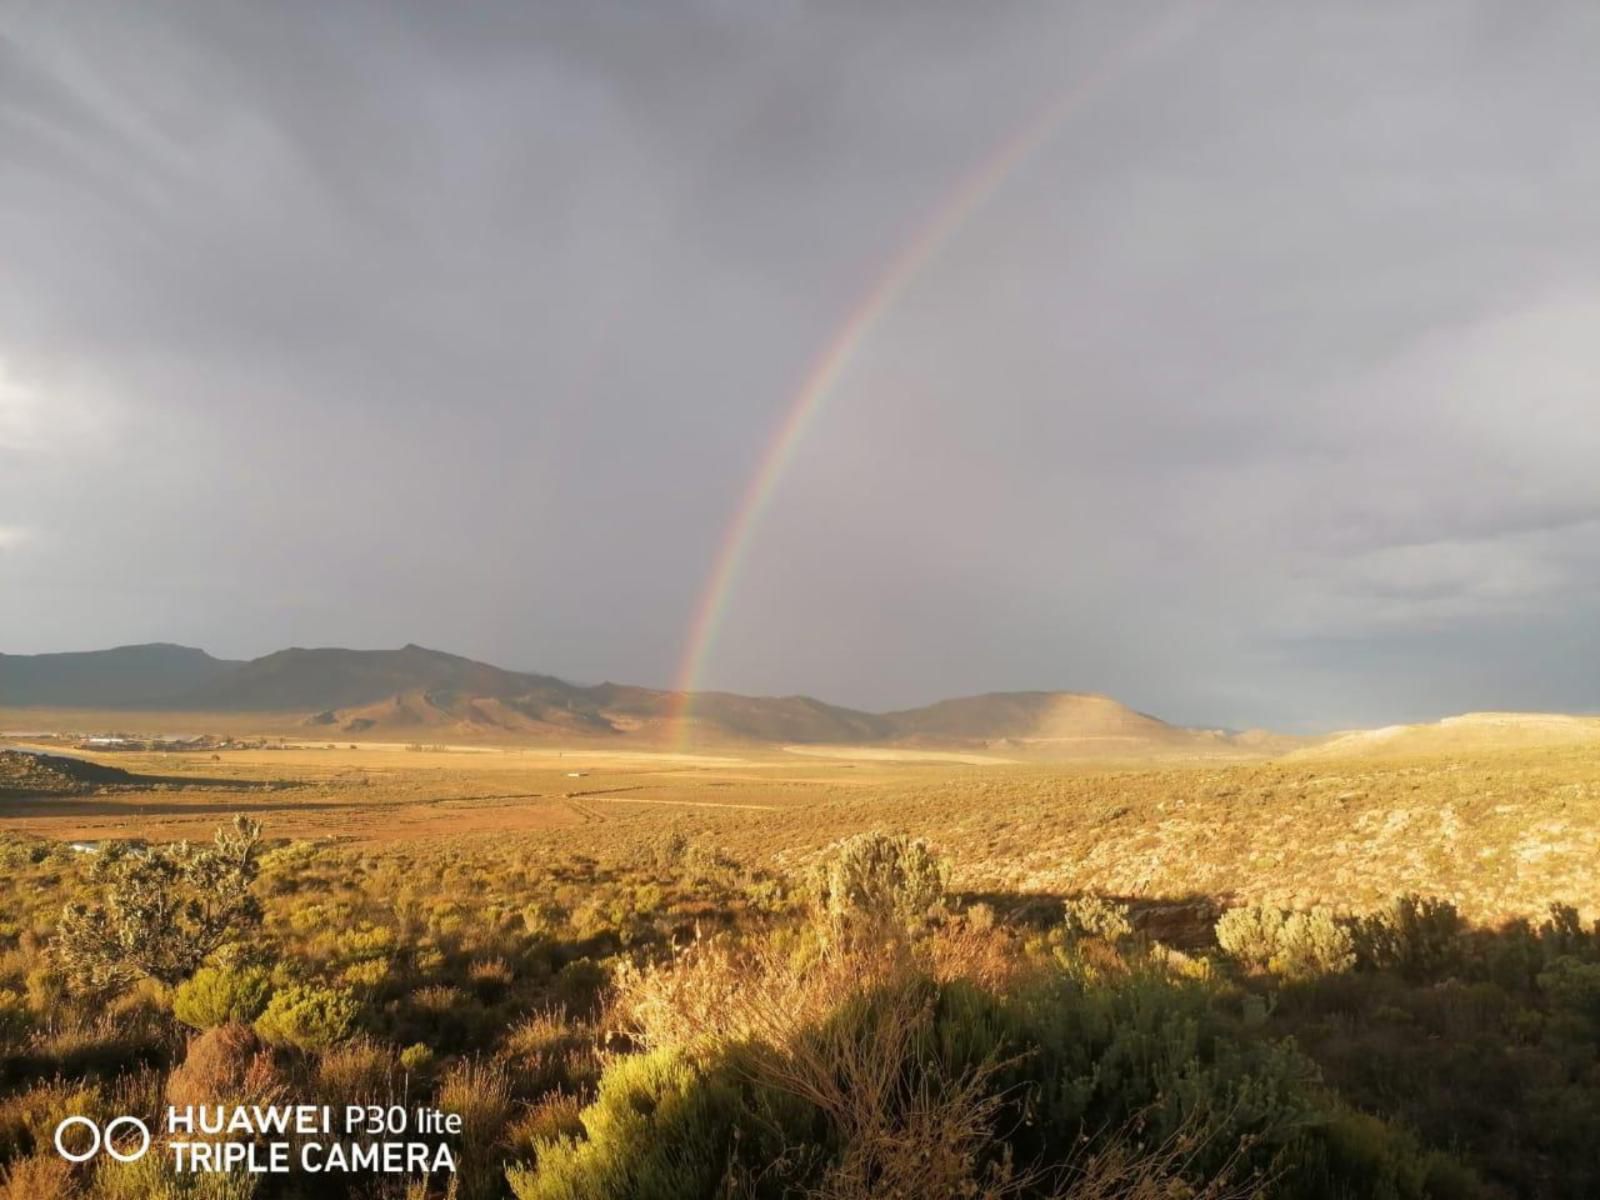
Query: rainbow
point(968, 195)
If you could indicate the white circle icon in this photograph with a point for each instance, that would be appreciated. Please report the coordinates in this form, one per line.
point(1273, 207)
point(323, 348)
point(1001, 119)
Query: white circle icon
point(94, 1147)
point(111, 1149)
point(102, 1139)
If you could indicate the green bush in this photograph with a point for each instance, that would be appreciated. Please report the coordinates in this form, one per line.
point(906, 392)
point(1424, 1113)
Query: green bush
point(16, 1019)
point(1573, 986)
point(221, 995)
point(661, 1128)
point(880, 878)
point(417, 1057)
point(1092, 916)
point(1297, 945)
point(1419, 936)
point(979, 1093)
point(1311, 944)
point(307, 1017)
point(1563, 933)
point(1250, 935)
point(166, 909)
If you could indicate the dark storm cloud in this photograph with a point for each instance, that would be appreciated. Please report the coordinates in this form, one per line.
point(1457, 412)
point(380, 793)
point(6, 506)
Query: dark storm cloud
point(1262, 393)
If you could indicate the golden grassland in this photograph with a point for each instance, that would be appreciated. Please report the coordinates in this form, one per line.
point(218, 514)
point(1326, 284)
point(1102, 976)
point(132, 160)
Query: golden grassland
point(1500, 833)
point(636, 973)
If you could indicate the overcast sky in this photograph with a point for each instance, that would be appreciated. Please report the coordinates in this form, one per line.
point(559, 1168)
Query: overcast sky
point(1265, 392)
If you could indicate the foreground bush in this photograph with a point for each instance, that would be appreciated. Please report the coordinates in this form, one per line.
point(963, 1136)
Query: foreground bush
point(1092, 916)
point(1297, 945)
point(219, 995)
point(882, 879)
point(1418, 936)
point(165, 910)
point(306, 1017)
point(888, 1069)
point(225, 1065)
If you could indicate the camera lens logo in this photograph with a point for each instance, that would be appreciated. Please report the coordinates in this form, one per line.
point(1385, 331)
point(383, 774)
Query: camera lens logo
point(103, 1139)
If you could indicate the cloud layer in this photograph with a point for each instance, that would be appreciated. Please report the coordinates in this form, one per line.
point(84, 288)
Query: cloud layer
point(1264, 393)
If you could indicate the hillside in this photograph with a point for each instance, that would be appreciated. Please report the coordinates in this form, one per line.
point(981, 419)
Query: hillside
point(127, 676)
point(1062, 724)
point(419, 710)
point(1029, 716)
point(1465, 734)
point(417, 693)
point(30, 774)
point(334, 678)
point(725, 715)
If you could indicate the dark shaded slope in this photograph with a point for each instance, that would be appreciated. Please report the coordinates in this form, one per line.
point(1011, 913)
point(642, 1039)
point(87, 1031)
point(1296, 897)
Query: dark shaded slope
point(332, 678)
point(127, 676)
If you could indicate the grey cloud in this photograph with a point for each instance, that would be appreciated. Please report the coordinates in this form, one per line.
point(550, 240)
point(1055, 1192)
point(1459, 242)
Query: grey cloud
point(1260, 394)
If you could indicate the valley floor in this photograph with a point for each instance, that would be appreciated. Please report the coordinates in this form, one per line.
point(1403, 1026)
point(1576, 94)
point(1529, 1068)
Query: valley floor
point(1500, 833)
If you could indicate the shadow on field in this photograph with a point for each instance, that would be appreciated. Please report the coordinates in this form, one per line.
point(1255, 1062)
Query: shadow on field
point(1184, 922)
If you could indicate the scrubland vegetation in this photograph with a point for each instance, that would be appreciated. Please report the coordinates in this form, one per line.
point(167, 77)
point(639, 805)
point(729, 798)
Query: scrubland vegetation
point(682, 1008)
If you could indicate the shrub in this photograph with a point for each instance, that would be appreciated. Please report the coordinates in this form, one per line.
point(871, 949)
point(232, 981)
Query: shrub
point(36, 1176)
point(554, 1116)
point(165, 910)
point(480, 1093)
point(417, 1058)
point(307, 1017)
point(47, 989)
point(660, 1127)
point(1250, 935)
point(1096, 917)
point(1297, 945)
point(1573, 985)
point(490, 978)
point(880, 879)
point(1311, 944)
point(356, 1071)
point(1563, 932)
point(220, 995)
point(438, 998)
point(547, 1051)
point(1418, 936)
point(16, 1020)
point(223, 1065)
point(860, 1074)
point(578, 985)
point(28, 1118)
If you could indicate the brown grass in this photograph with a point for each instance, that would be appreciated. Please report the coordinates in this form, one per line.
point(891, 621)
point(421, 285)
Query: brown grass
point(1500, 832)
point(43, 1175)
point(225, 1065)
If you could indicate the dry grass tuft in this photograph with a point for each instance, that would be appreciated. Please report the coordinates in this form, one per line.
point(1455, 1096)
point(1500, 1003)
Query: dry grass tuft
point(38, 1177)
point(358, 1071)
point(480, 1092)
point(837, 1025)
point(226, 1065)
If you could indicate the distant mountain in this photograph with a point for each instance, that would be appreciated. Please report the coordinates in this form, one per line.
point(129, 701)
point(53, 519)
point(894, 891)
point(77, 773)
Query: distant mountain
point(542, 712)
point(746, 718)
point(1054, 725)
point(1035, 716)
point(128, 676)
point(414, 691)
point(332, 678)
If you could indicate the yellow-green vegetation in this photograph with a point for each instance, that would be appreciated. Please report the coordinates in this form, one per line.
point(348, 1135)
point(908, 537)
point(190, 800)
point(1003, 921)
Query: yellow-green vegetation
point(847, 981)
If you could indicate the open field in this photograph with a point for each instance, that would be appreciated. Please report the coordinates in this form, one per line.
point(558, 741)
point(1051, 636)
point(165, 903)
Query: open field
point(533, 937)
point(1499, 833)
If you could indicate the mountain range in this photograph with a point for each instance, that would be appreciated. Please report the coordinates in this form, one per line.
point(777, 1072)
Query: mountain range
point(414, 691)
